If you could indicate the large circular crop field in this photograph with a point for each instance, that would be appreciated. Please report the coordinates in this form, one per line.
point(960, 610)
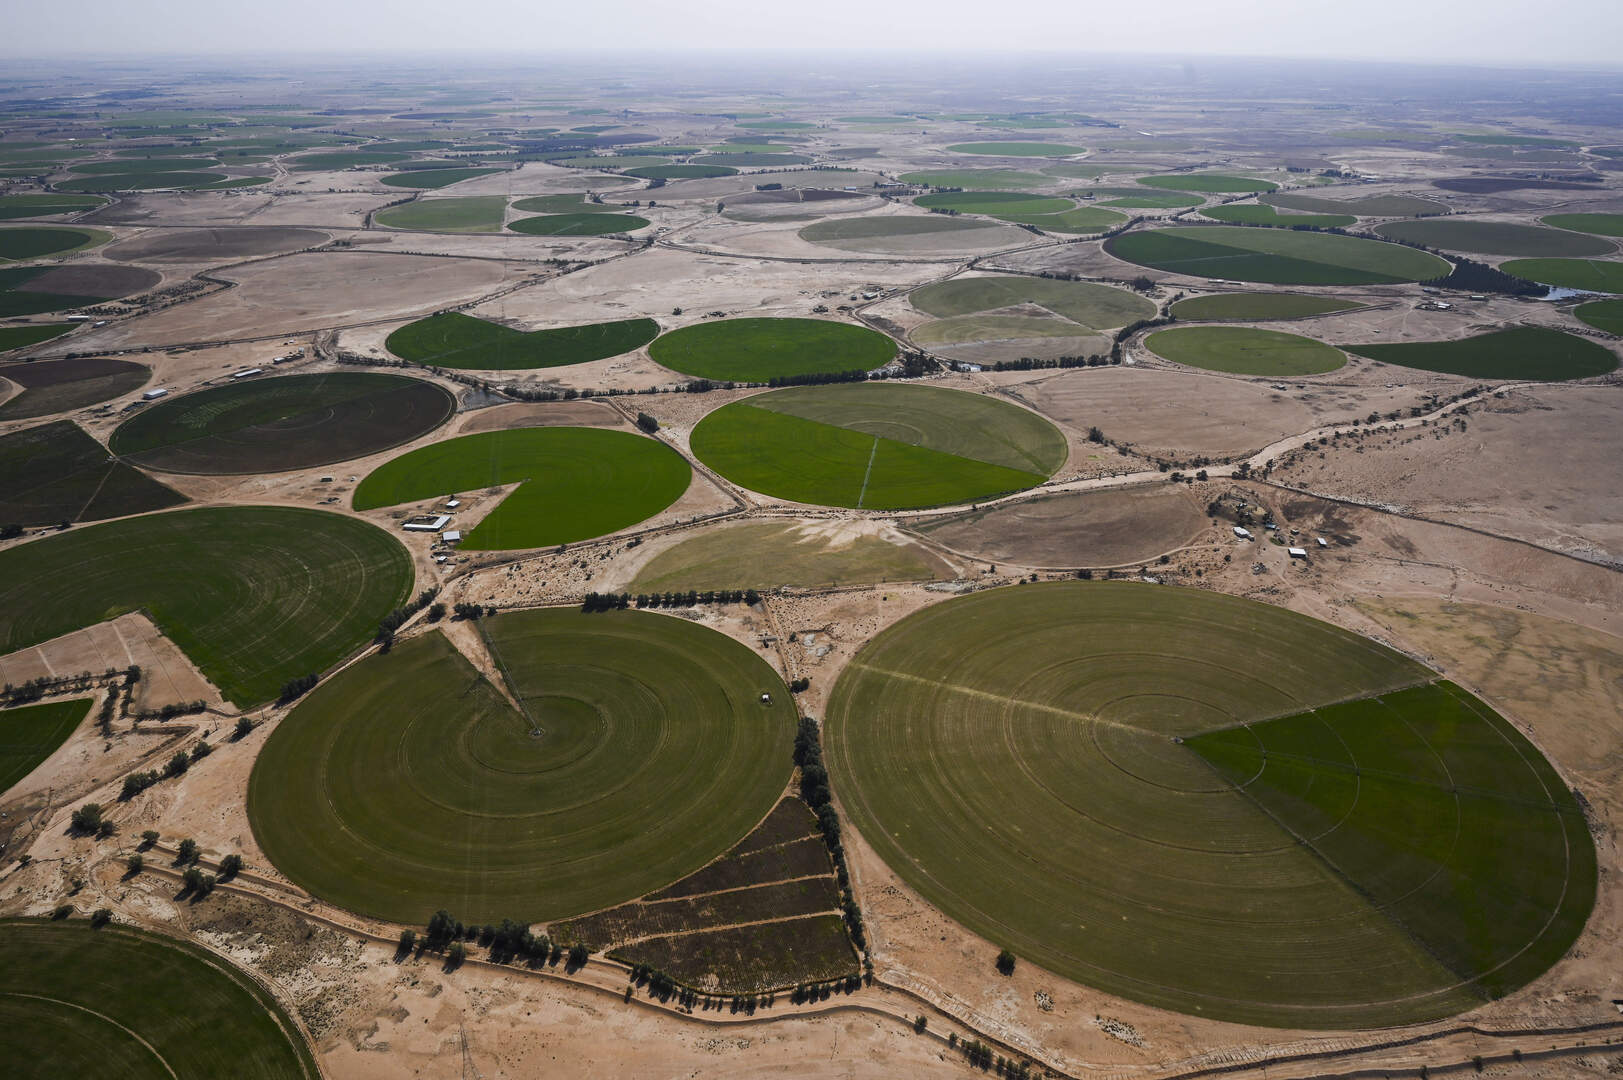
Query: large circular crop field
point(1494, 237)
point(640, 751)
point(573, 483)
point(1244, 350)
point(1589, 275)
point(253, 595)
point(278, 424)
point(119, 1002)
point(1275, 256)
point(880, 447)
point(1210, 804)
point(19, 243)
point(758, 350)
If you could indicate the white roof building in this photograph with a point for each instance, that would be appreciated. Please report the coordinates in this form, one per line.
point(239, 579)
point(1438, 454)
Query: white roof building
point(1297, 553)
point(451, 536)
point(434, 524)
point(1243, 534)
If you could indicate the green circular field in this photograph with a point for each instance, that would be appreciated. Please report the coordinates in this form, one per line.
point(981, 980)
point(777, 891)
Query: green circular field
point(276, 424)
point(409, 783)
point(681, 172)
point(122, 1003)
point(1590, 275)
point(1599, 224)
point(253, 595)
point(578, 224)
point(758, 350)
point(455, 340)
point(1015, 149)
point(1520, 352)
point(1275, 256)
point(1263, 214)
point(1044, 211)
point(28, 242)
point(878, 446)
point(1604, 315)
point(1209, 804)
point(1244, 350)
point(573, 483)
point(1493, 237)
point(1221, 307)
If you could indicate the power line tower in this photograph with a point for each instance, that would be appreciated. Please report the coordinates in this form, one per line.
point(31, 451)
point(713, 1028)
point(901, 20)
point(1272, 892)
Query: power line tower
point(470, 1071)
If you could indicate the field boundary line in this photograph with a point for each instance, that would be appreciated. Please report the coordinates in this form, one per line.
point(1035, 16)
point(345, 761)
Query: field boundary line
point(872, 453)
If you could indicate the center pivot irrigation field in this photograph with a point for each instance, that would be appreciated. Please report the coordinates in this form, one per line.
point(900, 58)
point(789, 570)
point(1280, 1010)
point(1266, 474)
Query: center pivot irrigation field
point(454, 340)
point(57, 386)
point(758, 350)
point(37, 242)
point(879, 447)
point(115, 1001)
point(409, 783)
point(254, 596)
point(1094, 307)
point(32, 733)
point(1521, 352)
point(1209, 804)
point(1244, 350)
point(278, 424)
point(573, 483)
point(1275, 256)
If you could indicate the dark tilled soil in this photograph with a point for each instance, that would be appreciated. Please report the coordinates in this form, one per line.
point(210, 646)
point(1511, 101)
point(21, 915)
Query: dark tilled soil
point(212, 245)
point(91, 280)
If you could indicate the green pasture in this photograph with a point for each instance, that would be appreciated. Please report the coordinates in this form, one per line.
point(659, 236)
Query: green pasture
point(1257, 307)
point(254, 596)
point(30, 734)
point(470, 214)
point(869, 445)
point(640, 751)
point(18, 337)
point(1205, 803)
point(1094, 306)
point(1493, 237)
point(1244, 350)
point(1275, 256)
point(1598, 224)
point(1604, 315)
point(975, 179)
point(573, 483)
point(27, 206)
point(434, 178)
point(1521, 352)
point(57, 473)
point(452, 339)
point(578, 224)
point(119, 1002)
point(1591, 275)
point(1364, 206)
point(22, 242)
point(758, 350)
point(680, 172)
point(1263, 214)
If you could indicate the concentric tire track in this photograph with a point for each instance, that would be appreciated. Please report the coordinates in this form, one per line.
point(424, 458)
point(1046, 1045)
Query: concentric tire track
point(409, 783)
point(1021, 757)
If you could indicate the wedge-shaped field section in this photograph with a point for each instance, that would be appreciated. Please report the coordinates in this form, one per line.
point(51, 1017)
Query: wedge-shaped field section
point(1366, 206)
point(454, 340)
point(573, 483)
point(30, 734)
point(254, 596)
point(872, 446)
point(1522, 352)
point(759, 350)
point(1275, 256)
point(29, 290)
point(1049, 212)
point(1494, 237)
point(55, 386)
point(117, 1001)
point(19, 243)
point(56, 473)
point(578, 224)
point(278, 424)
point(1209, 804)
point(639, 750)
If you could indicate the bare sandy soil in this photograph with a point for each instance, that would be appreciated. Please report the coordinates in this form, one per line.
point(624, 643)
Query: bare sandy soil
point(167, 677)
point(306, 292)
point(1183, 413)
point(1516, 470)
point(211, 245)
point(1090, 528)
point(542, 414)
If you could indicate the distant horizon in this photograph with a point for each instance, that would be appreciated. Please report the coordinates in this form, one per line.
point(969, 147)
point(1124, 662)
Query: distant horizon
point(1446, 33)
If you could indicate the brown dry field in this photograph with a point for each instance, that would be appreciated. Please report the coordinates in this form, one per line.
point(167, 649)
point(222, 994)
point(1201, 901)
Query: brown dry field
point(541, 414)
point(299, 293)
point(1517, 470)
point(1091, 528)
point(208, 245)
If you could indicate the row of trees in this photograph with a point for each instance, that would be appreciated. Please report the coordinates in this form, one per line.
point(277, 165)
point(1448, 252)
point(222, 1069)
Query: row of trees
point(594, 602)
point(135, 783)
point(814, 789)
point(507, 941)
point(400, 616)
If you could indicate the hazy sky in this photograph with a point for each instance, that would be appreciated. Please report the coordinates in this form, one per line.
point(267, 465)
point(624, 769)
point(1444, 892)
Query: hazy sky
point(1447, 31)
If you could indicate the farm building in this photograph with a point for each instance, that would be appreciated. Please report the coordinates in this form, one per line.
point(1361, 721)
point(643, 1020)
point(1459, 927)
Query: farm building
point(433, 524)
point(451, 536)
point(153, 395)
point(1322, 541)
point(1297, 553)
point(1242, 533)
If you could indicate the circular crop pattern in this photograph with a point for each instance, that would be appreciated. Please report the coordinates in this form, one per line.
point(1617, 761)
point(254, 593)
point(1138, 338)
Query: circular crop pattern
point(573, 483)
point(1243, 350)
point(578, 224)
point(1275, 256)
point(31, 242)
point(253, 595)
point(758, 350)
point(641, 749)
point(1210, 804)
point(1493, 237)
point(273, 425)
point(80, 1001)
point(879, 447)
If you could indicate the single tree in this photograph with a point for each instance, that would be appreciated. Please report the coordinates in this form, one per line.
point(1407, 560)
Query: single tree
point(1005, 962)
